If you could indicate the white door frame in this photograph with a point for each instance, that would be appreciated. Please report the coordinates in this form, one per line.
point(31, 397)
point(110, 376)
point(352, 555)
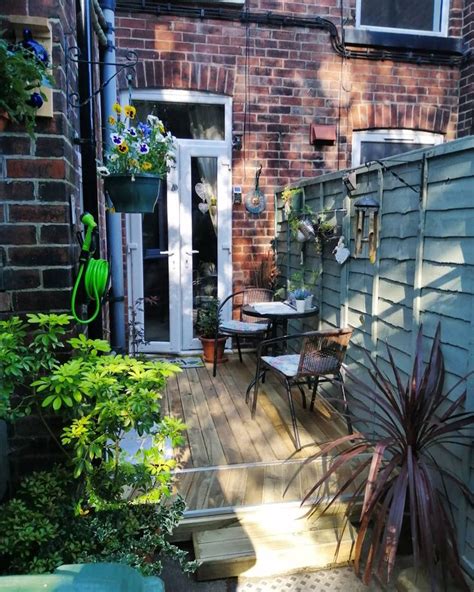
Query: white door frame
point(179, 294)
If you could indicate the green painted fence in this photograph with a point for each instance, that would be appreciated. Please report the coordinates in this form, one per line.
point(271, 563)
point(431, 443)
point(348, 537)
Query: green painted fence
point(423, 273)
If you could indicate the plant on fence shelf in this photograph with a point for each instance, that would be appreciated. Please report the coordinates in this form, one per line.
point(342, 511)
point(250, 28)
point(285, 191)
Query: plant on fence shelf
point(118, 505)
point(410, 422)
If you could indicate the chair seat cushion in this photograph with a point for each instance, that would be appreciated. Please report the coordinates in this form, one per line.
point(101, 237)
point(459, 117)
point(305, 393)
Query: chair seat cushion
point(242, 327)
point(287, 364)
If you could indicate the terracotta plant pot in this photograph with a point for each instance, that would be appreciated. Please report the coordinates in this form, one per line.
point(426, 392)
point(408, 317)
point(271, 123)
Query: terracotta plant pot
point(208, 349)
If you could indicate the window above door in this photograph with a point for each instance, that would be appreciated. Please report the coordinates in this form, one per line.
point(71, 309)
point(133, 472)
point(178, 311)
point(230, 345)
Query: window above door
point(428, 17)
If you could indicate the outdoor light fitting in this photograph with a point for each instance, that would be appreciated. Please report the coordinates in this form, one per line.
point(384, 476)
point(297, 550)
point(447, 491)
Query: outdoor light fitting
point(367, 213)
point(237, 141)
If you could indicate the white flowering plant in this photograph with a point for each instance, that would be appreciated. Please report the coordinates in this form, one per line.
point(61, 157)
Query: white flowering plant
point(137, 148)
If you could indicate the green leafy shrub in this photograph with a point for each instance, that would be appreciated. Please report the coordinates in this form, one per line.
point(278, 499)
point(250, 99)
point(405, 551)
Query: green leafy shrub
point(42, 529)
point(208, 319)
point(108, 493)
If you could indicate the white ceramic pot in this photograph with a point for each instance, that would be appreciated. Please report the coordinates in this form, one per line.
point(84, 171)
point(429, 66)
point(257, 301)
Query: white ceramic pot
point(300, 305)
point(308, 302)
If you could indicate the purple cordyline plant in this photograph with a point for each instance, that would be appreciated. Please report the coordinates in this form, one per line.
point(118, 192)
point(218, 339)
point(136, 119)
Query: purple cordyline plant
point(405, 478)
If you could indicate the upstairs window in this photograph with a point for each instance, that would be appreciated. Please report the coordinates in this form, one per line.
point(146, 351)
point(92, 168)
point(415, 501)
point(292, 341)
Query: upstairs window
point(404, 16)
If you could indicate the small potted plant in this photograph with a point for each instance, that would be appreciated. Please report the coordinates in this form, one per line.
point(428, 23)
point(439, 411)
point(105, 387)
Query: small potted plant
point(301, 295)
point(301, 224)
point(22, 73)
point(207, 327)
point(137, 160)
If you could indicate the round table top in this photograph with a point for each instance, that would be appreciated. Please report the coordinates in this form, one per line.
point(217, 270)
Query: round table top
point(277, 310)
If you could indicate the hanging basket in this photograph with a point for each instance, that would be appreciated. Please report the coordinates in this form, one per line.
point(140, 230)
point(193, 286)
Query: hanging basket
point(133, 195)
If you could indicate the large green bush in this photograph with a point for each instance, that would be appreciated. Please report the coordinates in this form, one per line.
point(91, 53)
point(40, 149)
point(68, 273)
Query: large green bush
point(107, 504)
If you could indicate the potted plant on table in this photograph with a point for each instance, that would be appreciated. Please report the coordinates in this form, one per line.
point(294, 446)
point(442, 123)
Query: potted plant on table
point(137, 160)
point(207, 326)
point(22, 72)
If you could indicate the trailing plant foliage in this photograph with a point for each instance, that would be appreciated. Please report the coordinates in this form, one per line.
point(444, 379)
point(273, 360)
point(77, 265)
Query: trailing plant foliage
point(404, 476)
point(42, 529)
point(21, 74)
point(99, 398)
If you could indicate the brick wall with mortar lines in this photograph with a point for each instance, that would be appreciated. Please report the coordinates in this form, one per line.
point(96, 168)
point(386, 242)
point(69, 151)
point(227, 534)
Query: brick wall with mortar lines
point(295, 78)
point(39, 181)
point(466, 90)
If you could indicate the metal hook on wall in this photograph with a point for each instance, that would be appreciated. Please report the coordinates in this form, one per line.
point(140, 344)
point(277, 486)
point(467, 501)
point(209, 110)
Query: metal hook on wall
point(73, 56)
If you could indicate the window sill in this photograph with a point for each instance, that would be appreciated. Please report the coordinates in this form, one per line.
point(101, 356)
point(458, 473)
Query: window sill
point(363, 37)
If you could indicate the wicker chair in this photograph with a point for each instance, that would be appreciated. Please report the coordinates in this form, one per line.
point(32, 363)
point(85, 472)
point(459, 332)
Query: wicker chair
point(244, 326)
point(319, 359)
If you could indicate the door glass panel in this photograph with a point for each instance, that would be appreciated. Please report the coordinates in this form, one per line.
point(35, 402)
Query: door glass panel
point(188, 121)
point(204, 231)
point(155, 272)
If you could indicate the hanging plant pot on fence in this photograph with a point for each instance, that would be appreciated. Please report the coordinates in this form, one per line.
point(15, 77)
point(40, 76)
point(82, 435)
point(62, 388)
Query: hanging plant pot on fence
point(133, 195)
point(305, 231)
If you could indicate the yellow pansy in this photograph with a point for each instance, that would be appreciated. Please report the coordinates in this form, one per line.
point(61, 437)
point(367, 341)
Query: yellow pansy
point(146, 166)
point(130, 111)
point(123, 148)
point(117, 108)
point(133, 162)
point(112, 120)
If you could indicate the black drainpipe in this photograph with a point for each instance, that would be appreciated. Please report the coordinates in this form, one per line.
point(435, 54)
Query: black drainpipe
point(87, 114)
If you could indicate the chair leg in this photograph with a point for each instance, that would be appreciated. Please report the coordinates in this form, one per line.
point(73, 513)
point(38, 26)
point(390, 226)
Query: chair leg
point(237, 341)
point(313, 395)
point(258, 376)
point(346, 405)
point(293, 415)
point(303, 395)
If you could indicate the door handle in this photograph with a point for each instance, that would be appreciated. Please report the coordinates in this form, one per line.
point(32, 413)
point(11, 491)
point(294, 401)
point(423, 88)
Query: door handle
point(169, 253)
point(192, 252)
point(227, 249)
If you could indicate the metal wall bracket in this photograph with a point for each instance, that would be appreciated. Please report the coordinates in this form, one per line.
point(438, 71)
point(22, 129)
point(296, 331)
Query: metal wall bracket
point(73, 56)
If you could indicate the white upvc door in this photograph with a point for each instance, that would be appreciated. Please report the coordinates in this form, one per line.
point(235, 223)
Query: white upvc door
point(180, 256)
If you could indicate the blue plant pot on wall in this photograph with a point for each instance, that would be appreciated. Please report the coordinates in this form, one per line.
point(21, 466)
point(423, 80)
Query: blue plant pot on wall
point(133, 195)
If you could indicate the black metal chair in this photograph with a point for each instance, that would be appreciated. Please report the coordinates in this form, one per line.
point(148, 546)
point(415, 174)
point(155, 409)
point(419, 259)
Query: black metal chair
point(245, 326)
point(320, 359)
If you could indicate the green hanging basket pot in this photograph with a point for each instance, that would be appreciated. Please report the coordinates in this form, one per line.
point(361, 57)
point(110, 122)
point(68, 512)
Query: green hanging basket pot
point(133, 195)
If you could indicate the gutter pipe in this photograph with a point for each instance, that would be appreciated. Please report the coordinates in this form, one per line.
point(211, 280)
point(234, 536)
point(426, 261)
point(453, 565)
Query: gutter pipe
point(114, 220)
point(87, 125)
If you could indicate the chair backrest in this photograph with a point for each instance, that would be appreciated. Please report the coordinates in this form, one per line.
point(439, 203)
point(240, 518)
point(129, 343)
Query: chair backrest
point(323, 352)
point(251, 296)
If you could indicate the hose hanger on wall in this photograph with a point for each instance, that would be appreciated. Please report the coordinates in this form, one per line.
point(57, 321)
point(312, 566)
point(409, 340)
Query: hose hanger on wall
point(94, 273)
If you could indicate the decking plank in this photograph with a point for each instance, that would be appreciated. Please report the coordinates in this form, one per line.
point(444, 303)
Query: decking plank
point(234, 410)
point(216, 404)
point(210, 435)
point(200, 457)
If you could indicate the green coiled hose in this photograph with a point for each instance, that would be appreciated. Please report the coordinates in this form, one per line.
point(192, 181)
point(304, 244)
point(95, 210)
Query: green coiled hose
point(95, 272)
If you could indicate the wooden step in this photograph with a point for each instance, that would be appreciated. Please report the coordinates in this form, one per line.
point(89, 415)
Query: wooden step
point(261, 549)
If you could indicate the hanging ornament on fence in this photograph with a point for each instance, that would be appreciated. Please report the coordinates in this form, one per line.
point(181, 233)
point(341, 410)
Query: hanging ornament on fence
point(341, 252)
point(255, 200)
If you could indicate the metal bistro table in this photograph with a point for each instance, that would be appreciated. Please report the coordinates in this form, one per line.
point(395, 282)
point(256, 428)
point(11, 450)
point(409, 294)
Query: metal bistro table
point(278, 312)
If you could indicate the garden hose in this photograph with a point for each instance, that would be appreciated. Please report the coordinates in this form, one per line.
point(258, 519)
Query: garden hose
point(93, 272)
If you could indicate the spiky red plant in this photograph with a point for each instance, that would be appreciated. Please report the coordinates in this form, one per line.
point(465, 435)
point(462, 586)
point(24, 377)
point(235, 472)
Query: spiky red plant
point(404, 477)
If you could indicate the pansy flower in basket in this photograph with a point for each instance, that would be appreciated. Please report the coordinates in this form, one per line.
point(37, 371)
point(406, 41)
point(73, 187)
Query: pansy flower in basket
point(136, 161)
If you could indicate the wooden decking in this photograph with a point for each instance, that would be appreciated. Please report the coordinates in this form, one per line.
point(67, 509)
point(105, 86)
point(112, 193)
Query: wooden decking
point(231, 460)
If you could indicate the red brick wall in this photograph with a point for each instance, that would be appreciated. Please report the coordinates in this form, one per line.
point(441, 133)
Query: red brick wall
point(295, 78)
point(466, 92)
point(39, 180)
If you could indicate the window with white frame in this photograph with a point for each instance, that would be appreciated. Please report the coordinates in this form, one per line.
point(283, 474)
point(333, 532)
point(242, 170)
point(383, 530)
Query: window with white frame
point(404, 16)
point(369, 146)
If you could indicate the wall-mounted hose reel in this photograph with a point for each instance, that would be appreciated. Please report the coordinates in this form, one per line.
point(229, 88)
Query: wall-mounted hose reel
point(93, 273)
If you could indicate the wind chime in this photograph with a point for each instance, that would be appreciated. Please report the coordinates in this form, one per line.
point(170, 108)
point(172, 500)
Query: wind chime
point(367, 222)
